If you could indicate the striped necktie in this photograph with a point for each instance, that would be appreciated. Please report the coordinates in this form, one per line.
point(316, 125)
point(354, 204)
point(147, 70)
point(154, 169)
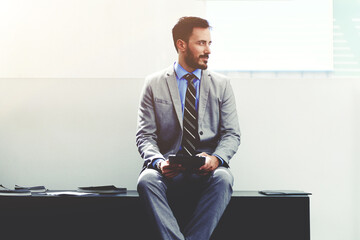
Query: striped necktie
point(190, 124)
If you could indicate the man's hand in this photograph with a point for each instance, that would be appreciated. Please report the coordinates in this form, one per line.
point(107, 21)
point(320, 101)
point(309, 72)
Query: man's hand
point(211, 163)
point(170, 170)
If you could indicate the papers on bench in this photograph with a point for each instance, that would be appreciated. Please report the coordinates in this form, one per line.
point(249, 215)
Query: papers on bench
point(283, 192)
point(41, 190)
point(67, 193)
point(4, 191)
point(88, 191)
point(106, 189)
point(35, 189)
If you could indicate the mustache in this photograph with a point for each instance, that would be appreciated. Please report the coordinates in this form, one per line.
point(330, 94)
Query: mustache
point(204, 56)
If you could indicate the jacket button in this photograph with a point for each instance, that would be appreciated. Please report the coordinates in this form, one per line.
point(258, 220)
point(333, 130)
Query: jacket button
point(201, 133)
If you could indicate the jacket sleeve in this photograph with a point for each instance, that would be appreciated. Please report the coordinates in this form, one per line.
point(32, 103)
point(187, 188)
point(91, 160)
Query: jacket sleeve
point(146, 137)
point(229, 130)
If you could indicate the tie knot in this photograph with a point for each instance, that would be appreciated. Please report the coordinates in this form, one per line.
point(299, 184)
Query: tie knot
point(189, 77)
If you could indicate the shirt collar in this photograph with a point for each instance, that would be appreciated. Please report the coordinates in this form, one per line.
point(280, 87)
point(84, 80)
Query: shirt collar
point(181, 72)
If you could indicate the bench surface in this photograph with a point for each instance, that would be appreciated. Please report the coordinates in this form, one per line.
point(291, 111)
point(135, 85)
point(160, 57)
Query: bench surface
point(249, 215)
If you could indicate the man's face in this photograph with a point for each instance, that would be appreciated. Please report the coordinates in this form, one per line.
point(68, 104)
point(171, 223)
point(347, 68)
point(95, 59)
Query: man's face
point(198, 48)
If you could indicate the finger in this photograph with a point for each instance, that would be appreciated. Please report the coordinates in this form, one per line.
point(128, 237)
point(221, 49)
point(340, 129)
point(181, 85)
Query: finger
point(168, 174)
point(172, 175)
point(205, 167)
point(173, 166)
point(177, 169)
point(203, 173)
point(203, 154)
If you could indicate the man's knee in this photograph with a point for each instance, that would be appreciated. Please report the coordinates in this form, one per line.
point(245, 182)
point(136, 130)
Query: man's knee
point(223, 178)
point(148, 178)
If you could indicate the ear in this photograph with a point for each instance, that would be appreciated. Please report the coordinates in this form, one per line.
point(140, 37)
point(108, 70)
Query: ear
point(181, 45)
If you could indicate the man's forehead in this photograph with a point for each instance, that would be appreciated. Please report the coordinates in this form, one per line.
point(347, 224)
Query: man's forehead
point(200, 34)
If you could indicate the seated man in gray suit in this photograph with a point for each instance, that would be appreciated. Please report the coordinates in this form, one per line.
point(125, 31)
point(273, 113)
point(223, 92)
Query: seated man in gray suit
point(188, 110)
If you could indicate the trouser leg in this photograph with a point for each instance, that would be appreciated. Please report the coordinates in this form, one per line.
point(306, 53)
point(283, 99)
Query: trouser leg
point(152, 188)
point(215, 196)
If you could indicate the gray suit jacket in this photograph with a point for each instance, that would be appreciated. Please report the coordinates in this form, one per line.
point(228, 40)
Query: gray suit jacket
point(160, 117)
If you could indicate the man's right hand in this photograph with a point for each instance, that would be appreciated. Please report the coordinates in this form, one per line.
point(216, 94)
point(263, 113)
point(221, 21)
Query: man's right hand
point(170, 170)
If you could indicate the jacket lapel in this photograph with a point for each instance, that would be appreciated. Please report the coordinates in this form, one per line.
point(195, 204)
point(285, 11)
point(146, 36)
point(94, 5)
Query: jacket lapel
point(174, 93)
point(204, 93)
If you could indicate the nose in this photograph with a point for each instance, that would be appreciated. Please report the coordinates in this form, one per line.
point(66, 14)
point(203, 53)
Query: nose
point(207, 49)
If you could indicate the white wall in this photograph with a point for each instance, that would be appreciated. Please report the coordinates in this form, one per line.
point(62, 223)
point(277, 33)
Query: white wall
point(299, 134)
point(296, 134)
point(356, 151)
point(63, 131)
point(74, 38)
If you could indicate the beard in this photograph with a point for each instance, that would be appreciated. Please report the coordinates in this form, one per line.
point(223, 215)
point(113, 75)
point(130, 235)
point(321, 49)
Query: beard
point(193, 61)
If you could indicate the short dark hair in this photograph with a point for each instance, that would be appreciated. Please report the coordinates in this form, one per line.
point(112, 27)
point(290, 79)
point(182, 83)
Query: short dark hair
point(184, 27)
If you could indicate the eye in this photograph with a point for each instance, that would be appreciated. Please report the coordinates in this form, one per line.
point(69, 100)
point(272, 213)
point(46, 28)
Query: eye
point(203, 43)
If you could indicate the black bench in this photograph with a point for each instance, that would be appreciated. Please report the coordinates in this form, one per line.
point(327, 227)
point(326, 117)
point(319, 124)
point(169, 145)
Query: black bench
point(249, 216)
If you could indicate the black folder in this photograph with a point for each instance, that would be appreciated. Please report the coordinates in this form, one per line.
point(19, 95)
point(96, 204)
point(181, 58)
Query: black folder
point(188, 162)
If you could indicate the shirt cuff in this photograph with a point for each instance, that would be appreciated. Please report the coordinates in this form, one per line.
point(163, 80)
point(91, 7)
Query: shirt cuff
point(156, 161)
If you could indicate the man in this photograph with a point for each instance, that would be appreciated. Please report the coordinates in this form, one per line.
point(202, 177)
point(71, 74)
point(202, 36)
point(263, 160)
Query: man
point(166, 126)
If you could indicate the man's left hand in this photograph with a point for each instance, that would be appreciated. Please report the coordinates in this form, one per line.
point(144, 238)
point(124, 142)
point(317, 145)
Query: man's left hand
point(211, 163)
